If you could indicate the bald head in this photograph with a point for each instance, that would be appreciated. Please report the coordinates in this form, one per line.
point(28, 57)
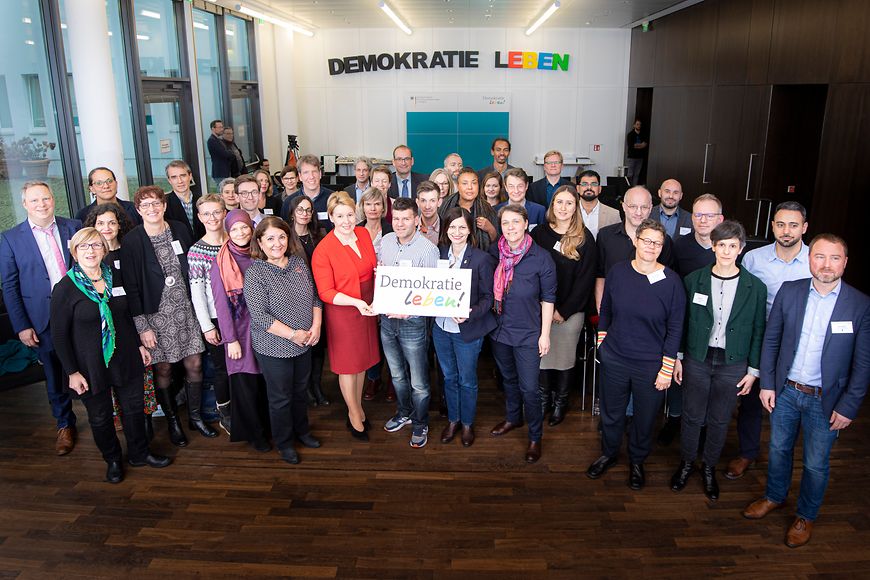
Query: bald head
point(637, 204)
point(671, 192)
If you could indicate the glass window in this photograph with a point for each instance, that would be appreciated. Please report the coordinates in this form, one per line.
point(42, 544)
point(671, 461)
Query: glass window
point(208, 69)
point(242, 127)
point(238, 55)
point(157, 38)
point(29, 137)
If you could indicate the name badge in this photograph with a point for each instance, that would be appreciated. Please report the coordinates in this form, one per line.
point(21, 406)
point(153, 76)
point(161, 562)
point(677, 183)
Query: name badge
point(322, 216)
point(170, 281)
point(700, 299)
point(118, 291)
point(268, 211)
point(685, 231)
point(405, 263)
point(68, 244)
point(557, 246)
point(656, 276)
point(443, 263)
point(176, 246)
point(117, 264)
point(532, 226)
point(844, 327)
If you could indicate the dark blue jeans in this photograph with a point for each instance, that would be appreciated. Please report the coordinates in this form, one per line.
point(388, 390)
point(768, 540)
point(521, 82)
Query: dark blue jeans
point(406, 347)
point(520, 367)
point(794, 411)
point(749, 418)
point(55, 383)
point(458, 360)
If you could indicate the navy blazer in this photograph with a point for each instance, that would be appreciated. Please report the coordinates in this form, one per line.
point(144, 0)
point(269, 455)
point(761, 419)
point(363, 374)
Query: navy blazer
point(416, 180)
point(481, 321)
point(845, 356)
point(538, 190)
point(26, 285)
point(221, 157)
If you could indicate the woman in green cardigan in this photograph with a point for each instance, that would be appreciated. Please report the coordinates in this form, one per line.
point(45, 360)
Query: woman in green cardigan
point(722, 350)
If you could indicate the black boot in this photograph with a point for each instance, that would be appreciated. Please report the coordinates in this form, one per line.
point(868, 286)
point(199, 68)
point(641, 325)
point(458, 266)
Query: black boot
point(560, 396)
point(319, 397)
point(711, 486)
point(544, 391)
point(194, 404)
point(167, 403)
point(682, 474)
point(225, 411)
point(149, 428)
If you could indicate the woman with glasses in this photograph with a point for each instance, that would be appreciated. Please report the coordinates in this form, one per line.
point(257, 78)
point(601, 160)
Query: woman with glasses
point(289, 181)
point(442, 179)
point(98, 348)
point(639, 332)
point(227, 191)
point(156, 278)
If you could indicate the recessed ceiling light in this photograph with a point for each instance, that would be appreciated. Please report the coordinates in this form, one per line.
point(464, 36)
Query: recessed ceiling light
point(26, 20)
point(30, 42)
point(150, 14)
point(142, 37)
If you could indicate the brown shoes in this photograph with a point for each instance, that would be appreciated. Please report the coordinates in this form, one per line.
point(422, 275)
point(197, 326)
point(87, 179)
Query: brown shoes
point(371, 389)
point(467, 436)
point(799, 533)
point(449, 432)
point(533, 453)
point(66, 440)
point(737, 467)
point(760, 508)
point(504, 427)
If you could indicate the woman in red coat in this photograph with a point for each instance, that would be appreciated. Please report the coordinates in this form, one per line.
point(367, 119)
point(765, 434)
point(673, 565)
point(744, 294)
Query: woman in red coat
point(343, 265)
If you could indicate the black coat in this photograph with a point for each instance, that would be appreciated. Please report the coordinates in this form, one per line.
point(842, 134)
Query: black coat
point(221, 158)
point(175, 211)
point(482, 320)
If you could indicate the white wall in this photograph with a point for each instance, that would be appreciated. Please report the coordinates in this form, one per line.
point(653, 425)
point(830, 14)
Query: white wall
point(362, 113)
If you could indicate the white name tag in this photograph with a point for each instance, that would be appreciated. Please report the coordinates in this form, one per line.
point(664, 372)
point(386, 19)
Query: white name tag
point(656, 276)
point(405, 263)
point(68, 244)
point(685, 231)
point(844, 327)
point(532, 226)
point(322, 216)
point(176, 245)
point(268, 211)
point(700, 299)
point(443, 263)
point(557, 246)
point(118, 291)
point(117, 264)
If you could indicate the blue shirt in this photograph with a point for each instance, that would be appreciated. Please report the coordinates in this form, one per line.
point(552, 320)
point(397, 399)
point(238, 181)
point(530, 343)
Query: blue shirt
point(551, 190)
point(766, 265)
point(807, 366)
point(669, 221)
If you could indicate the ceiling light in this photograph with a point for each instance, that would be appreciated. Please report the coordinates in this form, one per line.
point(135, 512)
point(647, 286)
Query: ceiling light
point(150, 14)
point(142, 37)
point(30, 42)
point(229, 32)
point(200, 25)
point(553, 7)
point(273, 20)
point(26, 20)
point(389, 12)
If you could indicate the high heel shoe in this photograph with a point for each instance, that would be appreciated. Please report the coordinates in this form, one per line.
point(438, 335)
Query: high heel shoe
point(360, 435)
point(366, 425)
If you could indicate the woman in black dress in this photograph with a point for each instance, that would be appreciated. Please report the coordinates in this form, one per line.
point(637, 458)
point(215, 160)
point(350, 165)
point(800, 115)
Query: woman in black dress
point(99, 349)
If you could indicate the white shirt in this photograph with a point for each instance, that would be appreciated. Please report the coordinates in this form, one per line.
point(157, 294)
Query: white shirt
point(590, 220)
point(47, 252)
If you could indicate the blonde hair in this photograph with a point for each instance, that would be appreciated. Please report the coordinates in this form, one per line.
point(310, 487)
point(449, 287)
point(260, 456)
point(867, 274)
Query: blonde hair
point(371, 194)
point(573, 239)
point(84, 236)
point(338, 198)
point(451, 189)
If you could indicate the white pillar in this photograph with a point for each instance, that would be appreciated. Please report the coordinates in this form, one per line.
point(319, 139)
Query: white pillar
point(94, 83)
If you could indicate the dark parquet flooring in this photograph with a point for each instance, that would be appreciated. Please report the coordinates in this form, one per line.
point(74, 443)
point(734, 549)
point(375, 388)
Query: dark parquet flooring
point(385, 510)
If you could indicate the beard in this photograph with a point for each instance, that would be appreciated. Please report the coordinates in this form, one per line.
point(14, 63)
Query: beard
point(589, 195)
point(787, 243)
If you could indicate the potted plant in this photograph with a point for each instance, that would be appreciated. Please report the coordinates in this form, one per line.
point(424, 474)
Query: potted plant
point(31, 154)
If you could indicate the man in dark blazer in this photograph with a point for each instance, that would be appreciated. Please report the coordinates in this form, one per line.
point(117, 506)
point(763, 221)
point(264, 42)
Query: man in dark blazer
point(542, 190)
point(677, 221)
point(221, 157)
point(181, 201)
point(34, 256)
point(362, 169)
point(815, 368)
point(103, 185)
point(404, 182)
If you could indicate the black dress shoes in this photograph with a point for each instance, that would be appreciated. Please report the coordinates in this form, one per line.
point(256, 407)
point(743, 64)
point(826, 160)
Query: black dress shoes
point(636, 477)
point(289, 455)
point(115, 473)
point(504, 427)
point(308, 440)
point(358, 435)
point(599, 466)
point(711, 486)
point(151, 460)
point(682, 474)
point(262, 446)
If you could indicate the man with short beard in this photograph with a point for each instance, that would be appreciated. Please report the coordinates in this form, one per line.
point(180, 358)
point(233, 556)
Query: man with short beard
point(595, 214)
point(677, 221)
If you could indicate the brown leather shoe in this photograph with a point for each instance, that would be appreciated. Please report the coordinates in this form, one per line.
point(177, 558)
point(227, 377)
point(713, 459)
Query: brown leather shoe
point(504, 427)
point(799, 533)
point(467, 435)
point(371, 389)
point(66, 440)
point(533, 453)
point(391, 392)
point(737, 467)
point(760, 508)
point(449, 432)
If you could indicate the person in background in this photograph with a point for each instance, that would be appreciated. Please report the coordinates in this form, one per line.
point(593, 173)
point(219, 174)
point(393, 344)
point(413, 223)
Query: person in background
point(221, 157)
point(637, 149)
point(500, 150)
point(283, 331)
point(269, 204)
point(309, 175)
point(524, 290)
point(430, 223)
point(381, 181)
point(468, 197)
point(103, 185)
point(493, 189)
point(362, 169)
point(543, 190)
point(227, 191)
point(453, 165)
point(595, 214)
point(445, 183)
point(181, 201)
point(404, 182)
point(516, 182)
point(677, 221)
point(249, 194)
point(99, 351)
point(289, 184)
point(237, 163)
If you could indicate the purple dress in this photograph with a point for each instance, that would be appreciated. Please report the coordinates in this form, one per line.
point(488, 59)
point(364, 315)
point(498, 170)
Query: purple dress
point(234, 329)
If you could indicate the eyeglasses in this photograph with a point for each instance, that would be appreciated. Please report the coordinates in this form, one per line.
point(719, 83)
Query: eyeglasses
point(212, 214)
point(150, 204)
point(304, 210)
point(288, 178)
point(654, 243)
point(93, 246)
point(101, 183)
point(635, 208)
point(249, 193)
point(705, 216)
point(402, 159)
point(588, 184)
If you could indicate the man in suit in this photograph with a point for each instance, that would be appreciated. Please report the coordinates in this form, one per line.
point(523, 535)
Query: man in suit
point(404, 182)
point(181, 201)
point(104, 187)
point(595, 214)
point(221, 157)
point(542, 190)
point(677, 221)
point(815, 368)
point(515, 184)
point(34, 256)
point(362, 169)
point(500, 150)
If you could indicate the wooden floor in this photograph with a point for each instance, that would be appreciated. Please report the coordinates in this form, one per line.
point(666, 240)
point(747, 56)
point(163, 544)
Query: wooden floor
point(385, 510)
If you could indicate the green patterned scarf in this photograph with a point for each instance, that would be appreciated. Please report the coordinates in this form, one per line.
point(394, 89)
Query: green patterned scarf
point(107, 325)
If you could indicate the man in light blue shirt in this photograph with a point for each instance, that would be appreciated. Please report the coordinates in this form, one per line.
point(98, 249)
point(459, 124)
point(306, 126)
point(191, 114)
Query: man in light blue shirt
point(784, 260)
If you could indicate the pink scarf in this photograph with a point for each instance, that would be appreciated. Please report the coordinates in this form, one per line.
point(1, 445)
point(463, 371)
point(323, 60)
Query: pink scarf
point(504, 272)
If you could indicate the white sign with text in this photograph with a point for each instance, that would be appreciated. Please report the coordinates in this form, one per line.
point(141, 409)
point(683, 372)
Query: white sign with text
point(423, 291)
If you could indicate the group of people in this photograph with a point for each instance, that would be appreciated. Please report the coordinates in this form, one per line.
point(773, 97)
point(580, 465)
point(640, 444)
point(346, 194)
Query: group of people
point(268, 284)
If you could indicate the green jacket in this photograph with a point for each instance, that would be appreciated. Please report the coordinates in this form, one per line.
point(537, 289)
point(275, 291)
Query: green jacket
point(745, 329)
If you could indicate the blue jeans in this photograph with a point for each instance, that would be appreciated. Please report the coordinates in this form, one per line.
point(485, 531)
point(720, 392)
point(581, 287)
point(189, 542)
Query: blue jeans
point(520, 368)
point(405, 343)
point(458, 360)
point(795, 410)
point(55, 383)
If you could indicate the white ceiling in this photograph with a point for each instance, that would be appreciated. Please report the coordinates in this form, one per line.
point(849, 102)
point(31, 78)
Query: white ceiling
point(468, 13)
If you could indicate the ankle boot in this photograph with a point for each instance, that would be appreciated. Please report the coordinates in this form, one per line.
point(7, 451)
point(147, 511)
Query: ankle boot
point(149, 428)
point(681, 476)
point(225, 411)
point(544, 391)
point(560, 396)
point(167, 403)
point(711, 486)
point(315, 389)
point(194, 406)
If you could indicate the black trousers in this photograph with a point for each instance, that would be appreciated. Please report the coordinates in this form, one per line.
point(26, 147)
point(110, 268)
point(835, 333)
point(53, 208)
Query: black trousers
point(132, 401)
point(286, 386)
point(248, 409)
point(218, 354)
point(620, 379)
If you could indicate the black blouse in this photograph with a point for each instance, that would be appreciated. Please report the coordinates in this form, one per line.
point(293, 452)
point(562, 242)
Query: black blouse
point(575, 278)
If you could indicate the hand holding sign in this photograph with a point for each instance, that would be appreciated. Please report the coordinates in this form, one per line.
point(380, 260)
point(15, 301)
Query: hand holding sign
point(412, 291)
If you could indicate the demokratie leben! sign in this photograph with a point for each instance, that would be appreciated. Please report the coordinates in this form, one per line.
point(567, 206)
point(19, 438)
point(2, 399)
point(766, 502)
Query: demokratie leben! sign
point(423, 291)
point(446, 59)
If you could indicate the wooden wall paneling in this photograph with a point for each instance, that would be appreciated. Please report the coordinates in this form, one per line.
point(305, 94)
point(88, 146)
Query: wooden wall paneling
point(733, 27)
point(724, 164)
point(760, 32)
point(804, 35)
point(755, 113)
point(852, 54)
point(694, 138)
point(643, 58)
point(664, 141)
point(685, 45)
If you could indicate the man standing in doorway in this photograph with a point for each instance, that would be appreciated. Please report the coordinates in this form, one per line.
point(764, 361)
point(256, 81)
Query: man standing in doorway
point(637, 147)
point(221, 157)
